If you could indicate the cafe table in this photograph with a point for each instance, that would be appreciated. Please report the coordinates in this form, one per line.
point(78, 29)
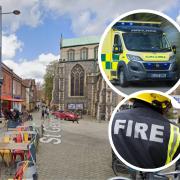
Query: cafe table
point(15, 132)
point(14, 146)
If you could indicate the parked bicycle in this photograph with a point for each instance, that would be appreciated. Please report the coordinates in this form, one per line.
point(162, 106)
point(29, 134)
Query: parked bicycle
point(119, 169)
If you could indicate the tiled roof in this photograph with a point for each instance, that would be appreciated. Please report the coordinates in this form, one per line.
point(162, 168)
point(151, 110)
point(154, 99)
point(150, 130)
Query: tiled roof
point(80, 41)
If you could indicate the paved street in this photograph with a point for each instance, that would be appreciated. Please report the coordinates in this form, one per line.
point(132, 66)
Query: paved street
point(84, 153)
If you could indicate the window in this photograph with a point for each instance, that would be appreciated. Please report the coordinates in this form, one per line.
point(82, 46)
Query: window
point(96, 53)
point(84, 53)
point(77, 81)
point(71, 55)
point(117, 40)
point(146, 42)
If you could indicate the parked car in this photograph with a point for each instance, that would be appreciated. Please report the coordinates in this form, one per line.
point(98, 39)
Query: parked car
point(59, 114)
point(70, 116)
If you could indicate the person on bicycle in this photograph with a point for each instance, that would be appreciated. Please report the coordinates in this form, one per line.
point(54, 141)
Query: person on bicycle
point(142, 135)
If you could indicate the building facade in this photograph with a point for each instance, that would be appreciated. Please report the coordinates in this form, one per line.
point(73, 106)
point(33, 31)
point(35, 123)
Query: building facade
point(78, 84)
point(17, 95)
point(16, 92)
point(6, 91)
point(31, 94)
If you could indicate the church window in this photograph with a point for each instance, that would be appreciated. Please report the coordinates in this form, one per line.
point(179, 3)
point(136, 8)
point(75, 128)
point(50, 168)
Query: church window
point(84, 53)
point(77, 81)
point(71, 55)
point(96, 53)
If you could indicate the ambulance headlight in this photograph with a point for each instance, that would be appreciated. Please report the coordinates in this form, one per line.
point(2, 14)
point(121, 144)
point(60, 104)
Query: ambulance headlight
point(172, 58)
point(133, 58)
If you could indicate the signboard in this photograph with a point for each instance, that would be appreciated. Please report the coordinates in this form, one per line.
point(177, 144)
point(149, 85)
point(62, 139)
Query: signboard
point(78, 106)
point(71, 106)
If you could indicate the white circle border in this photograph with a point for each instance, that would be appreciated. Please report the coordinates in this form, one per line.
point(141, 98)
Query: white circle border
point(110, 26)
point(110, 136)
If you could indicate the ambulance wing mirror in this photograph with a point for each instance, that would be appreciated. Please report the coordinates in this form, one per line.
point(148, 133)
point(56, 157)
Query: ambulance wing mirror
point(117, 48)
point(174, 49)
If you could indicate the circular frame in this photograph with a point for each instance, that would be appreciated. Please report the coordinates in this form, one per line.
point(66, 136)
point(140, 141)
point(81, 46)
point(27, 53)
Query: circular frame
point(110, 135)
point(110, 26)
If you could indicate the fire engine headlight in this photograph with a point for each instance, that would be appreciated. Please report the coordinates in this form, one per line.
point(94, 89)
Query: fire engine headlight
point(172, 58)
point(133, 58)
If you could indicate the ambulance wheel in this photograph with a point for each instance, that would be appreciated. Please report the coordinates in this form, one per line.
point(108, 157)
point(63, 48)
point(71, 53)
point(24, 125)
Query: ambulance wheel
point(123, 79)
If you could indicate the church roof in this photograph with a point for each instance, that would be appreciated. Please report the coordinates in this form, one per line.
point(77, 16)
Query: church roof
point(80, 41)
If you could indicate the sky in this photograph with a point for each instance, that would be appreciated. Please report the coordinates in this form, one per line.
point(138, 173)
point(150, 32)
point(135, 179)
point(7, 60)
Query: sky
point(30, 40)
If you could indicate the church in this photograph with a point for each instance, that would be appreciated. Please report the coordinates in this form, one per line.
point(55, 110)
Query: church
point(78, 84)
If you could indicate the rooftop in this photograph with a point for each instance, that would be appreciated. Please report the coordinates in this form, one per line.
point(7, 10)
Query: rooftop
point(80, 41)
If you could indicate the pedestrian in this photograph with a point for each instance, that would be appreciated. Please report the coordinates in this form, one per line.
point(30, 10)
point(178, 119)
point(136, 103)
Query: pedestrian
point(30, 117)
point(25, 115)
point(16, 115)
point(142, 135)
point(47, 112)
point(42, 113)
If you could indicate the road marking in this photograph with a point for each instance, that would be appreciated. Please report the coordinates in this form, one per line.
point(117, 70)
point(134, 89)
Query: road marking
point(51, 128)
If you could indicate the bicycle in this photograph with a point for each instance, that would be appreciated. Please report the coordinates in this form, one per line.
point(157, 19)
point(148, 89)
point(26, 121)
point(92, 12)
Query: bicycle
point(175, 175)
point(120, 168)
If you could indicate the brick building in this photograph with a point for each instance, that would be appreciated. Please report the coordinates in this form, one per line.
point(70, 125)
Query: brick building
point(6, 91)
point(15, 91)
point(17, 95)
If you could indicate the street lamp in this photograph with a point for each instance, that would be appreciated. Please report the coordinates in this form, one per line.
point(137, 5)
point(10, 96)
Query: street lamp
point(15, 12)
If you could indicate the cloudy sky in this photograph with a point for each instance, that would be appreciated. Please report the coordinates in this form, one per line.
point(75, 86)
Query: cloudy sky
point(31, 40)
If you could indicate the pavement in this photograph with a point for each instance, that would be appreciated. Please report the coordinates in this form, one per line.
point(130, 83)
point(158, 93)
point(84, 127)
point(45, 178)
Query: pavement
point(84, 152)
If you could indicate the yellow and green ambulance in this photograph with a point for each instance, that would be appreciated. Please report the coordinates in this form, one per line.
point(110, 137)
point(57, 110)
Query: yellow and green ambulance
point(138, 51)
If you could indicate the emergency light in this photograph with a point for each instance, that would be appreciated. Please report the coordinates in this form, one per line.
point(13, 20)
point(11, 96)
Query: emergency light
point(137, 26)
point(156, 66)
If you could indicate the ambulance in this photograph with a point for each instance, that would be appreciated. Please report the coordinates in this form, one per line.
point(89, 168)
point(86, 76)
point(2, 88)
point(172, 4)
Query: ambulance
point(138, 51)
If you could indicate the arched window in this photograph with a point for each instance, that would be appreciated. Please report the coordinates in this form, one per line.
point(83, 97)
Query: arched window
point(71, 55)
point(84, 53)
point(96, 53)
point(77, 81)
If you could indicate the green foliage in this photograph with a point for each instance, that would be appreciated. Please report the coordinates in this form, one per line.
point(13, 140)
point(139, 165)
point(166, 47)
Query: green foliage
point(48, 81)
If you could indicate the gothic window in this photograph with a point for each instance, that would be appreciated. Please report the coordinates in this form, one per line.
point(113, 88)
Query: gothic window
point(71, 55)
point(77, 81)
point(84, 53)
point(96, 53)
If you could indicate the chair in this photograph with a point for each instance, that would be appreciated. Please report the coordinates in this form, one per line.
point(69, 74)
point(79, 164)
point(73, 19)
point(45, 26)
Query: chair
point(5, 153)
point(26, 137)
point(16, 152)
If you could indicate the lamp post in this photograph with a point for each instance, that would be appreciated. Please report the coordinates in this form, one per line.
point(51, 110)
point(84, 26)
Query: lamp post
point(15, 12)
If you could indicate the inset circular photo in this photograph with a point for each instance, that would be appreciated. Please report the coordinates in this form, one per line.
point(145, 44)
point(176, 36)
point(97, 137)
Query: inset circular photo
point(144, 131)
point(140, 51)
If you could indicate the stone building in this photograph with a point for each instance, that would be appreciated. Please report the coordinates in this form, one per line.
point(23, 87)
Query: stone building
point(78, 84)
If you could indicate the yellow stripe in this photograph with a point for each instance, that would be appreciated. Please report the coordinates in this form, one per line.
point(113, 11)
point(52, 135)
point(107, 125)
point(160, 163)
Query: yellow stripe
point(104, 65)
point(174, 142)
point(114, 65)
point(108, 56)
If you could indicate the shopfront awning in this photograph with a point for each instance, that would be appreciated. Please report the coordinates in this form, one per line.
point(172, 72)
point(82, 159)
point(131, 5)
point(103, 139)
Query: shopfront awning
point(9, 98)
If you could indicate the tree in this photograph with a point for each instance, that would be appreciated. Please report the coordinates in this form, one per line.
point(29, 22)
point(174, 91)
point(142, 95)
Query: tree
point(48, 81)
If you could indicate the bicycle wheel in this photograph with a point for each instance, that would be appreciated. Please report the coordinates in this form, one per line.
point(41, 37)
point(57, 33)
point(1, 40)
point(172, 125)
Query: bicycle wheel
point(119, 168)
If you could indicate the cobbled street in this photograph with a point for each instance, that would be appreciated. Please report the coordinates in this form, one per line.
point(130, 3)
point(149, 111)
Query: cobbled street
point(84, 152)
